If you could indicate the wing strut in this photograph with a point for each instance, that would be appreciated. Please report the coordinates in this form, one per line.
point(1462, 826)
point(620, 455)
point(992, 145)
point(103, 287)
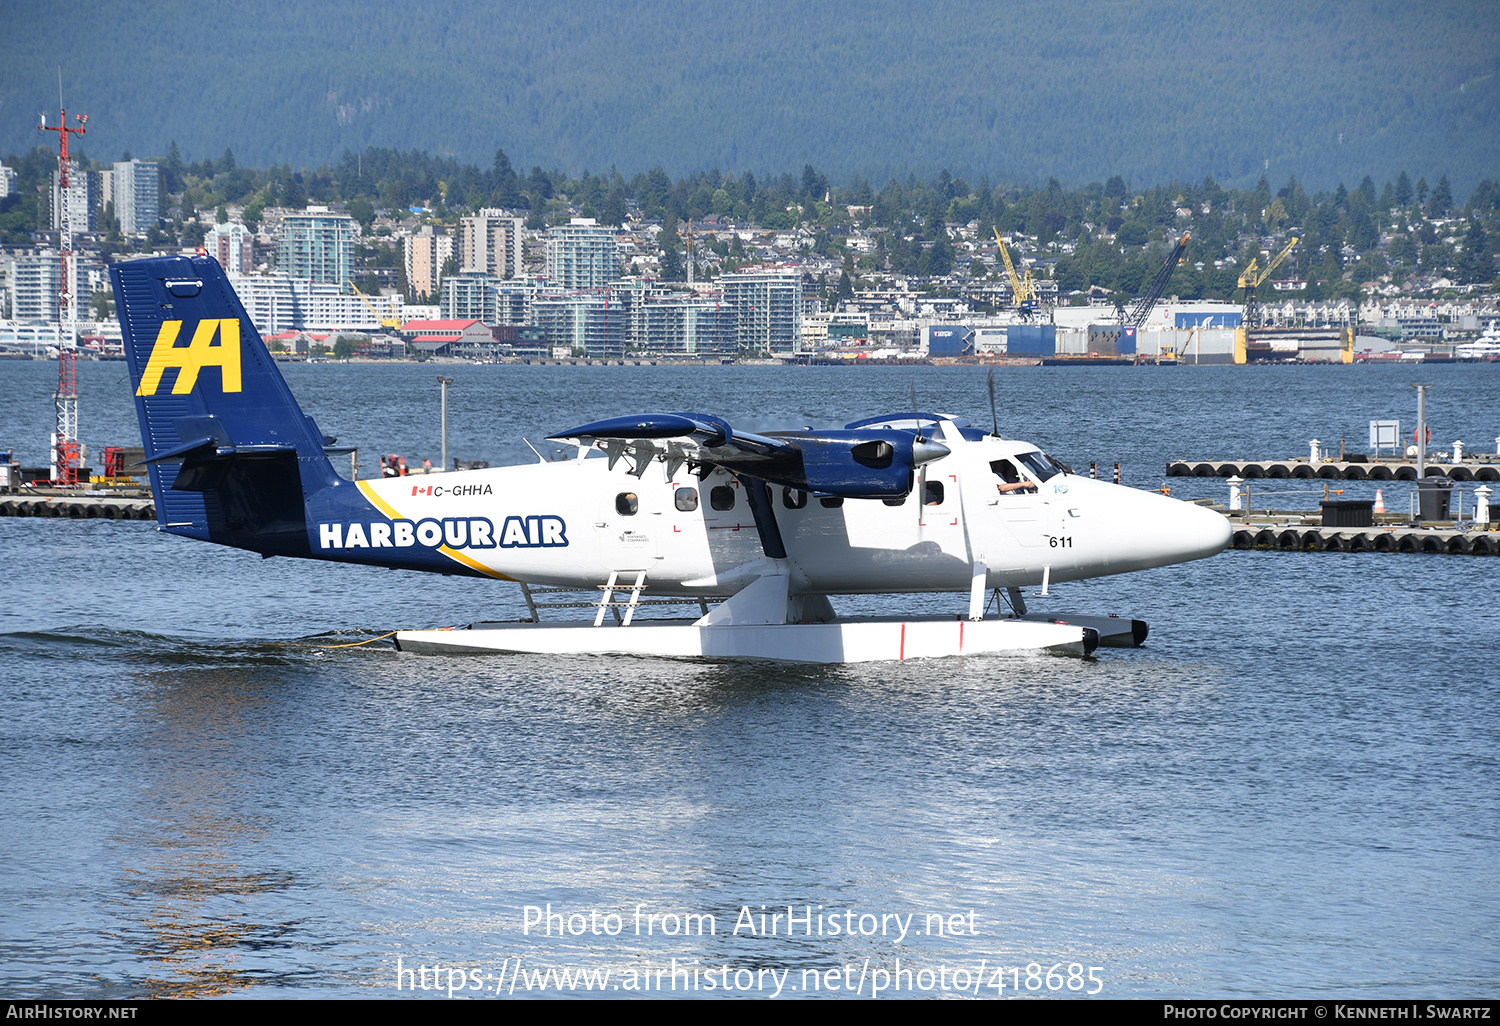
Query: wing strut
point(759, 495)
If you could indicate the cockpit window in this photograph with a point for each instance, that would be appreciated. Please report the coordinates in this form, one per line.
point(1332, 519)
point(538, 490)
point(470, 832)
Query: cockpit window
point(1005, 470)
point(1040, 464)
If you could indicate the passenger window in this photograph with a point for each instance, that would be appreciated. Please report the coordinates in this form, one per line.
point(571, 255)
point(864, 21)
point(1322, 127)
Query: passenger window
point(721, 498)
point(626, 504)
point(831, 501)
point(934, 493)
point(793, 498)
point(686, 499)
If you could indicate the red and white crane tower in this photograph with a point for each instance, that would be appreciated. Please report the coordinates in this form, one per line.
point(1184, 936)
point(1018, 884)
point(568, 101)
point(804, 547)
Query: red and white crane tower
point(67, 449)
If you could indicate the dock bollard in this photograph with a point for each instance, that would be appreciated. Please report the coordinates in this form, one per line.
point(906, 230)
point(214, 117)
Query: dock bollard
point(1482, 507)
point(1234, 492)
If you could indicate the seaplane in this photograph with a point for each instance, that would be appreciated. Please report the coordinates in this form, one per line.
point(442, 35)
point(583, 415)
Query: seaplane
point(755, 535)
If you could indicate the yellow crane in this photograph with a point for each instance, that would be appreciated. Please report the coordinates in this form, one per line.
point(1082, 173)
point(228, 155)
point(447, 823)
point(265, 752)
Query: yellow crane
point(1253, 278)
point(394, 323)
point(1023, 290)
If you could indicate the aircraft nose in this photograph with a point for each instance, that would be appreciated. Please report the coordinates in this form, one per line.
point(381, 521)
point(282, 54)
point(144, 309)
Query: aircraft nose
point(1173, 531)
point(1212, 531)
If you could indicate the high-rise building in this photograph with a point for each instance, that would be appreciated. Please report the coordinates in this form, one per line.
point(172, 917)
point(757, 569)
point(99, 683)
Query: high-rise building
point(82, 204)
point(317, 245)
point(582, 255)
point(490, 243)
point(7, 181)
point(137, 195)
point(768, 309)
point(426, 252)
point(233, 246)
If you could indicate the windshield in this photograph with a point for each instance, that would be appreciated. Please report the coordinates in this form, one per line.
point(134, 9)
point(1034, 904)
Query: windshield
point(1040, 464)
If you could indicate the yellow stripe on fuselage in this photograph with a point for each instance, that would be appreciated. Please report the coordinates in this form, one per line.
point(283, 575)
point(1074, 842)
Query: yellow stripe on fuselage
point(458, 557)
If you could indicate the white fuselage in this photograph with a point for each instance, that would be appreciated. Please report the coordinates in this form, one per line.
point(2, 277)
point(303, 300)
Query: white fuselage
point(573, 523)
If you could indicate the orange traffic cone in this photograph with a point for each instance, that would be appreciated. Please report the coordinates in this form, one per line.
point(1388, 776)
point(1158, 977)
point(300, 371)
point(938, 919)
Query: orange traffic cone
point(1379, 502)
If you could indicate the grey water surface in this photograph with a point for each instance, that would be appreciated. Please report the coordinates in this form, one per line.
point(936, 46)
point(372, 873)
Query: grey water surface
point(1293, 790)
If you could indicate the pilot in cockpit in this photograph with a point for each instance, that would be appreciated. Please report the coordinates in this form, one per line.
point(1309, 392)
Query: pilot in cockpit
point(1010, 478)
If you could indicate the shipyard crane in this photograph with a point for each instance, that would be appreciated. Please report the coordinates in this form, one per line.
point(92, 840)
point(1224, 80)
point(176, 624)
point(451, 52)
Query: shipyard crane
point(394, 323)
point(1023, 290)
point(1253, 278)
point(1143, 306)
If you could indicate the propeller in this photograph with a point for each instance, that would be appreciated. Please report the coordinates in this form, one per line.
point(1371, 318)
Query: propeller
point(918, 447)
point(994, 417)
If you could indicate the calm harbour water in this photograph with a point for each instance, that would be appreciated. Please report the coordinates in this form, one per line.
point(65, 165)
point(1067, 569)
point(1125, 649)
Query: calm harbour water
point(1292, 790)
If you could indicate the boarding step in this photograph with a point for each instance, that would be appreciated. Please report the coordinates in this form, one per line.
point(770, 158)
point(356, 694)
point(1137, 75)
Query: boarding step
point(622, 609)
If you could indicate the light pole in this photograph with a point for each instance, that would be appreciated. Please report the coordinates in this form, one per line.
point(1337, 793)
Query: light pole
point(445, 382)
point(1421, 430)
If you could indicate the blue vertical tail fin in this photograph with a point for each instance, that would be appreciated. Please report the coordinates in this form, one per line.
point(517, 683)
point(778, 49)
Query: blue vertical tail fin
point(232, 457)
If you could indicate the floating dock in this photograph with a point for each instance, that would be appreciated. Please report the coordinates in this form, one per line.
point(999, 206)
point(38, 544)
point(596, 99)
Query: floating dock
point(1308, 535)
point(1483, 467)
point(77, 507)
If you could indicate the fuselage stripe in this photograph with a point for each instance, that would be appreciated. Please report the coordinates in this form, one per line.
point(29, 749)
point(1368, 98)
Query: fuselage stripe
point(457, 557)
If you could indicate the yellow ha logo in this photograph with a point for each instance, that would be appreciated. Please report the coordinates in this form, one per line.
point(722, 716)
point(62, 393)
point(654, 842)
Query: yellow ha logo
point(197, 354)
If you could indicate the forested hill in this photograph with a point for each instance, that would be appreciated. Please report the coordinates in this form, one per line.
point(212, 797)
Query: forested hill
point(1020, 91)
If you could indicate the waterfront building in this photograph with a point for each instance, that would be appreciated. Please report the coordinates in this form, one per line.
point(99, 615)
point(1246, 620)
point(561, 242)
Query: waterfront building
point(595, 322)
point(136, 190)
point(469, 339)
point(767, 305)
point(31, 286)
point(582, 255)
point(277, 303)
point(318, 245)
point(483, 298)
point(686, 324)
point(426, 251)
point(489, 243)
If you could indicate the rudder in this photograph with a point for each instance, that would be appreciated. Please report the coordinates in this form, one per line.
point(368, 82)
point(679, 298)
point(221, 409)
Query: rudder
point(232, 457)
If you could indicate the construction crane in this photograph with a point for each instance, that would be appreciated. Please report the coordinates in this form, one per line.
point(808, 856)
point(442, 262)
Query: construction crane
point(1143, 306)
point(394, 323)
point(1023, 290)
point(1253, 278)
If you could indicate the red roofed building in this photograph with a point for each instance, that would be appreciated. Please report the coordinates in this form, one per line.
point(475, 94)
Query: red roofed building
point(468, 339)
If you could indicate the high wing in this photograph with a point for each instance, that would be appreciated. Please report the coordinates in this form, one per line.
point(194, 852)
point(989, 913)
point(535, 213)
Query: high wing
point(861, 462)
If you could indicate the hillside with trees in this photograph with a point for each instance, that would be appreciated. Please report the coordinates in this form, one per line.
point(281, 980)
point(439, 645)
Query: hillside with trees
point(1022, 91)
